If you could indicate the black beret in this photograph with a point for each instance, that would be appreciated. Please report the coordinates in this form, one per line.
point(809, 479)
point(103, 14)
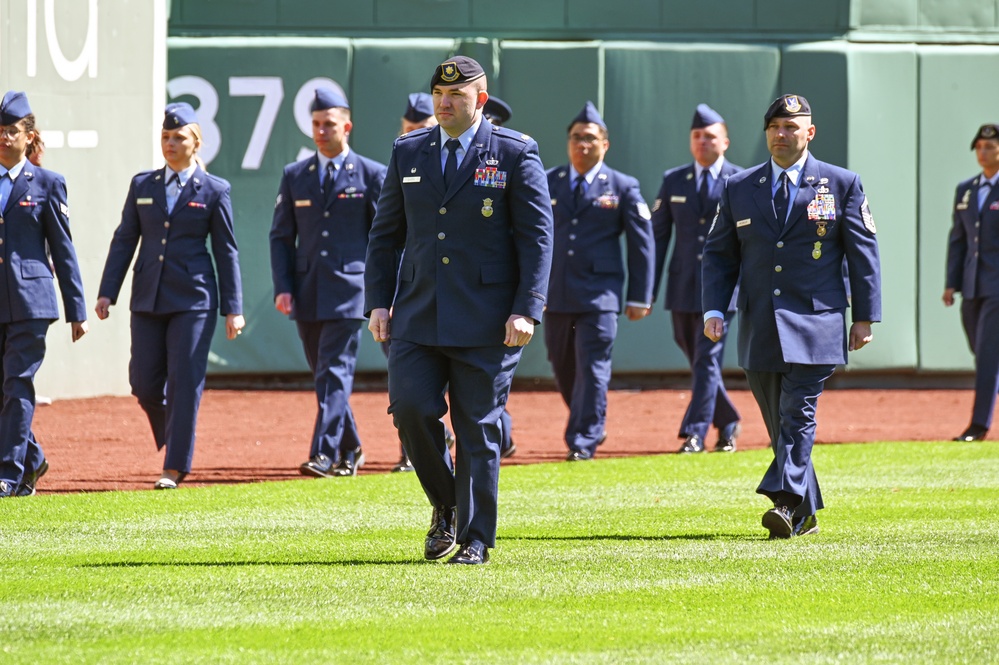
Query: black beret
point(787, 106)
point(986, 131)
point(13, 107)
point(458, 70)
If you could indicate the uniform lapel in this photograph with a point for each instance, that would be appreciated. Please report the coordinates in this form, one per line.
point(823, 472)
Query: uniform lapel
point(764, 196)
point(431, 166)
point(19, 187)
point(807, 179)
point(159, 190)
point(190, 190)
point(313, 184)
point(562, 191)
point(347, 177)
point(989, 200)
point(473, 158)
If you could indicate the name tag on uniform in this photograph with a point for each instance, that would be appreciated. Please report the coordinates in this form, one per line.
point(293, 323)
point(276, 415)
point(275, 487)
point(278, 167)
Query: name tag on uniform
point(410, 178)
point(303, 204)
point(743, 222)
point(678, 199)
point(962, 206)
point(144, 202)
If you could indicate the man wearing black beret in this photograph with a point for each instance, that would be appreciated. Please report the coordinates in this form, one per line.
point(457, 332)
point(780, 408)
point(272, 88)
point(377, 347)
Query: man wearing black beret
point(788, 225)
point(467, 204)
point(973, 269)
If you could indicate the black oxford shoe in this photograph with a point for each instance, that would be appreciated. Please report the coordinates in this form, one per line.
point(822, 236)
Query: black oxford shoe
point(6, 489)
point(778, 521)
point(350, 462)
point(692, 444)
point(508, 451)
point(441, 537)
point(318, 466)
point(403, 465)
point(726, 444)
point(30, 480)
point(973, 433)
point(578, 456)
point(806, 526)
point(472, 553)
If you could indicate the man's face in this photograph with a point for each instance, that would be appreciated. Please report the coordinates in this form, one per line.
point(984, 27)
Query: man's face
point(787, 138)
point(409, 125)
point(987, 152)
point(457, 107)
point(330, 129)
point(708, 144)
point(587, 145)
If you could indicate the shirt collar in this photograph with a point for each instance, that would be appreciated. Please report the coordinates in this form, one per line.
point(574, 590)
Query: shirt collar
point(714, 169)
point(982, 178)
point(465, 138)
point(337, 161)
point(793, 171)
point(15, 170)
point(589, 175)
point(184, 175)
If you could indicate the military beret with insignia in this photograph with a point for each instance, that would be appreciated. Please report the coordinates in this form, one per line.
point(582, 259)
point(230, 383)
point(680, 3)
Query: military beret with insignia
point(704, 115)
point(457, 71)
point(987, 131)
point(327, 98)
point(178, 114)
point(497, 111)
point(587, 115)
point(786, 106)
point(13, 107)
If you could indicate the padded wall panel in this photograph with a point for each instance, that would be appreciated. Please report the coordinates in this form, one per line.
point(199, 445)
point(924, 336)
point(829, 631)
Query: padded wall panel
point(953, 101)
point(434, 14)
point(707, 15)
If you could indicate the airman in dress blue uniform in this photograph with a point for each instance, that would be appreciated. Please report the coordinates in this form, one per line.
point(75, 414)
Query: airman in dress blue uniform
point(973, 269)
point(687, 201)
point(318, 241)
point(593, 205)
point(467, 204)
point(33, 214)
point(177, 212)
point(791, 223)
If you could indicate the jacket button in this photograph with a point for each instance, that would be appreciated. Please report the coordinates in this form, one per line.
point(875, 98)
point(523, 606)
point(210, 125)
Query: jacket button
point(163, 242)
point(776, 292)
point(701, 221)
point(326, 234)
point(324, 253)
point(780, 244)
point(441, 236)
point(166, 225)
point(161, 258)
point(575, 221)
point(326, 214)
point(777, 268)
point(572, 236)
point(443, 211)
point(571, 253)
point(445, 260)
point(700, 256)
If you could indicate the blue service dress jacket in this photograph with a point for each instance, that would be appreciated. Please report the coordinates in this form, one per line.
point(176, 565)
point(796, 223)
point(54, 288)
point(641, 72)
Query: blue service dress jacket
point(677, 208)
point(973, 245)
point(173, 271)
point(324, 269)
point(793, 297)
point(588, 271)
point(462, 275)
point(35, 214)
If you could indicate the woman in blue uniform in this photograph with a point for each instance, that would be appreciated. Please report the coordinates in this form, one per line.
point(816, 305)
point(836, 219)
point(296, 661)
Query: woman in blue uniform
point(175, 291)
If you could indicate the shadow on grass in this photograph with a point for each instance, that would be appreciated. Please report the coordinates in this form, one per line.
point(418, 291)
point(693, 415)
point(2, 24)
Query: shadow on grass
point(625, 537)
point(227, 564)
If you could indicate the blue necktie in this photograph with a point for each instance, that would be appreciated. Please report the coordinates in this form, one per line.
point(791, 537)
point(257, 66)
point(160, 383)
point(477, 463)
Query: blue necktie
point(451, 165)
point(172, 191)
point(781, 197)
point(329, 181)
point(702, 191)
point(983, 194)
point(578, 192)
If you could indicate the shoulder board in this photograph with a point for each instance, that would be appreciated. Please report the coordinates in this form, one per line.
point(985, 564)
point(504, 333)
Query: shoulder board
point(511, 134)
point(416, 133)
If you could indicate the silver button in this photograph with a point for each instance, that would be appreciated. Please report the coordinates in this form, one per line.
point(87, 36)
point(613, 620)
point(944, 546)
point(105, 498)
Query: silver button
point(324, 253)
point(572, 236)
point(777, 268)
point(1, 259)
point(780, 243)
point(441, 236)
point(701, 221)
point(977, 224)
point(445, 260)
point(571, 253)
point(776, 292)
point(161, 258)
point(700, 238)
point(166, 225)
point(443, 211)
point(163, 242)
point(1, 220)
point(326, 234)
point(574, 222)
point(326, 214)
point(1, 241)
point(700, 256)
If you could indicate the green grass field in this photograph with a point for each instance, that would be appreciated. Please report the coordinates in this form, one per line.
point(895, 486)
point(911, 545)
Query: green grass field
point(658, 559)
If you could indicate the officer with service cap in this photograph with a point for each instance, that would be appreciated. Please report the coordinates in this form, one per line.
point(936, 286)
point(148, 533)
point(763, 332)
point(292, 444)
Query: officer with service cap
point(177, 212)
point(973, 269)
point(467, 203)
point(593, 206)
point(687, 202)
point(318, 240)
point(33, 215)
point(497, 111)
point(789, 224)
point(419, 112)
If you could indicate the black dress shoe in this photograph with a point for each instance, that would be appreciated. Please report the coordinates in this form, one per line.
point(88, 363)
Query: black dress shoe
point(403, 465)
point(692, 444)
point(318, 466)
point(30, 480)
point(806, 526)
point(973, 433)
point(167, 482)
point(6, 489)
point(350, 462)
point(472, 553)
point(778, 521)
point(441, 537)
point(726, 444)
point(578, 456)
